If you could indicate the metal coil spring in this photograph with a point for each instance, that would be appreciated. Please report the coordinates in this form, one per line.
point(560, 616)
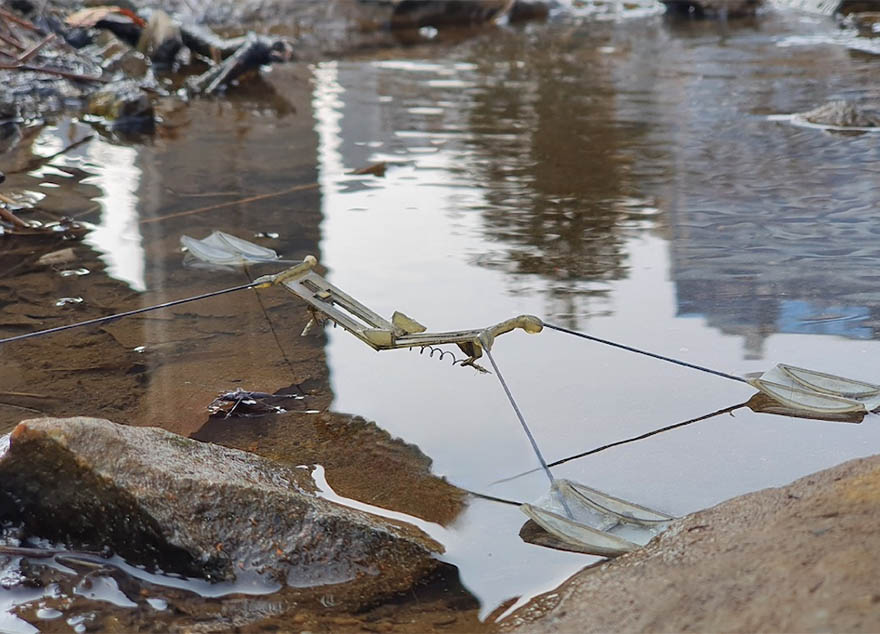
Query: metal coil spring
point(439, 353)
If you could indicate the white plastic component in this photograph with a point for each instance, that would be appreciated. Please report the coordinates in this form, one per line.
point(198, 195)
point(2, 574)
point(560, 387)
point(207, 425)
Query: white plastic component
point(222, 249)
point(590, 521)
point(811, 391)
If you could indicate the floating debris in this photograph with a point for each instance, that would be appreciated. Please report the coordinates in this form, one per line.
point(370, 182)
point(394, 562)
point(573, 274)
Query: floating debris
point(255, 51)
point(224, 250)
point(68, 301)
point(245, 403)
point(74, 272)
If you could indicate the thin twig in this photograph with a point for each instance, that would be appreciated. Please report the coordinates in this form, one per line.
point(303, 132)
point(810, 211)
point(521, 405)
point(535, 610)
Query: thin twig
point(11, 35)
point(86, 212)
point(20, 21)
point(22, 407)
point(70, 147)
point(39, 161)
point(8, 216)
point(12, 42)
point(53, 71)
point(23, 551)
point(231, 203)
point(23, 394)
point(33, 50)
point(201, 194)
point(43, 553)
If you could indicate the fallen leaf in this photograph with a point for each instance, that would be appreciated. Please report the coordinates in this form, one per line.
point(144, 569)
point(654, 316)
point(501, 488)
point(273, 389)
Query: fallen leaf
point(89, 17)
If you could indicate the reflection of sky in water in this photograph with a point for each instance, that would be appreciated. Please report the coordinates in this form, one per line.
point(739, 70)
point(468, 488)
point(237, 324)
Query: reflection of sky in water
point(391, 250)
point(117, 236)
point(806, 318)
point(113, 170)
point(417, 241)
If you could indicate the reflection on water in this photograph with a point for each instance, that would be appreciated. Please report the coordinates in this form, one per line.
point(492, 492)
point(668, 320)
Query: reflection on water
point(625, 181)
point(112, 171)
point(492, 564)
point(117, 235)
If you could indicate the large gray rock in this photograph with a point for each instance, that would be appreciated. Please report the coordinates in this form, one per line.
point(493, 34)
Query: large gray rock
point(196, 508)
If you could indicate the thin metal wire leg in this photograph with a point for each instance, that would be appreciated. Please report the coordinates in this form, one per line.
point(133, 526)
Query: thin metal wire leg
point(522, 421)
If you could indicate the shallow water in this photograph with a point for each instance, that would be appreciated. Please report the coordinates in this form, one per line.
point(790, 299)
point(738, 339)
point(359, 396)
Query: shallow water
point(629, 178)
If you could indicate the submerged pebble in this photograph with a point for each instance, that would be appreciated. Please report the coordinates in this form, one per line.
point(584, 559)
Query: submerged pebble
point(76, 623)
point(48, 614)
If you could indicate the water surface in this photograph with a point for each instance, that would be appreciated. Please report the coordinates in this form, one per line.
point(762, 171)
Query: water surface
point(621, 177)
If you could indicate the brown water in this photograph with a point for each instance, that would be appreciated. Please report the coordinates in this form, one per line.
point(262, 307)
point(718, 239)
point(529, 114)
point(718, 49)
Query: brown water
point(625, 178)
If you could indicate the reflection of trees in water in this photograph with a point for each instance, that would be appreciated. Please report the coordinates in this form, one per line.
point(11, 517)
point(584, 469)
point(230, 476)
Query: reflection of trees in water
point(552, 160)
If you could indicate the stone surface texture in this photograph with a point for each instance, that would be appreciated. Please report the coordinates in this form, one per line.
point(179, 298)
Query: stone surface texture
point(843, 114)
point(196, 508)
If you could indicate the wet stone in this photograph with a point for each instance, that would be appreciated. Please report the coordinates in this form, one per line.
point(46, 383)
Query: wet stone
point(122, 104)
point(843, 114)
point(197, 509)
